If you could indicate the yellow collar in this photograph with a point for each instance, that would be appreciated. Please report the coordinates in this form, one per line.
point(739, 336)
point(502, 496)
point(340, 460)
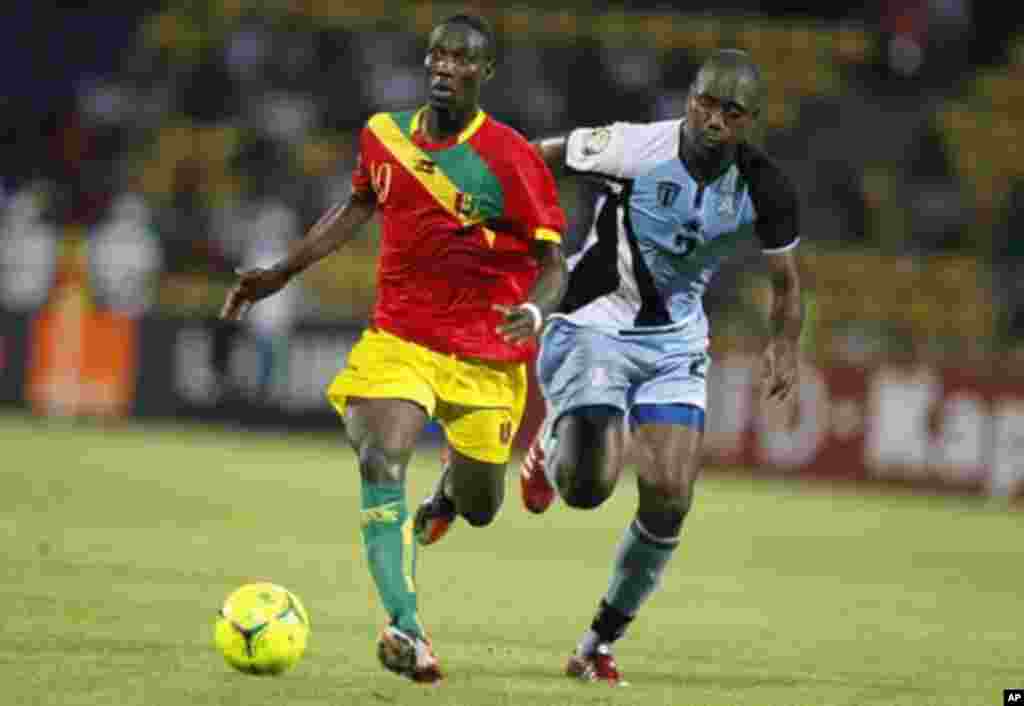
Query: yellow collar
point(467, 133)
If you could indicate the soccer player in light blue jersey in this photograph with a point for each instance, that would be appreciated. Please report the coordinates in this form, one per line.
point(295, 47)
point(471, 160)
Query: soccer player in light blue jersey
point(626, 355)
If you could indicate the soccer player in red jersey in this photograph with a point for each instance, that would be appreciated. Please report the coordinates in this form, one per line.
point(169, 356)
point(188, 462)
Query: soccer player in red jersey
point(470, 265)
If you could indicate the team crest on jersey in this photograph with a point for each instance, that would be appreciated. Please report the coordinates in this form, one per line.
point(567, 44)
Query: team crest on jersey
point(668, 192)
point(466, 205)
point(596, 141)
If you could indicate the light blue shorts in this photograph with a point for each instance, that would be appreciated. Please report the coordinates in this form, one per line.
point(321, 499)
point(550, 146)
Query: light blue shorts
point(582, 367)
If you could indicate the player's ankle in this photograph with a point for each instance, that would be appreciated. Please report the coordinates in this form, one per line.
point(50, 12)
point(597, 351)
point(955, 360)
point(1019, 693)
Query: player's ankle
point(609, 625)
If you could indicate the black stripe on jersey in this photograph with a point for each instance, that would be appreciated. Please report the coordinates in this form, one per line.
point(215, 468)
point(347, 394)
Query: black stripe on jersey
point(597, 272)
point(653, 311)
point(774, 197)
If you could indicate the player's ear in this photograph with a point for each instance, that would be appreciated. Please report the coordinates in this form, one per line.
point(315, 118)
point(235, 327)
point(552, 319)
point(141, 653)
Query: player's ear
point(489, 70)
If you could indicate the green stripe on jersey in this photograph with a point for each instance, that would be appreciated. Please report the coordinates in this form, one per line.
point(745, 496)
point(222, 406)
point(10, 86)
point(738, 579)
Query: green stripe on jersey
point(467, 170)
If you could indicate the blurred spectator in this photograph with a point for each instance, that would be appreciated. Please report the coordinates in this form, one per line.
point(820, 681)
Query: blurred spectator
point(28, 251)
point(125, 257)
point(256, 230)
point(1008, 252)
point(938, 212)
point(184, 225)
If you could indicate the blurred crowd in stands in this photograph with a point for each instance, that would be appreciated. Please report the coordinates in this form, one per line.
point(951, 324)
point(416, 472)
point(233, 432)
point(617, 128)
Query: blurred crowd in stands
point(196, 137)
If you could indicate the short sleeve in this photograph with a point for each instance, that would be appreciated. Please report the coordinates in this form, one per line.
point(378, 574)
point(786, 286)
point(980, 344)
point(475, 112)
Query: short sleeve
point(531, 197)
point(362, 184)
point(597, 150)
point(775, 200)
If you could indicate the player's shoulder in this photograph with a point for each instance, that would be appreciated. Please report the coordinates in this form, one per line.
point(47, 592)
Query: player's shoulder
point(650, 129)
point(764, 175)
point(756, 164)
point(596, 139)
point(622, 150)
point(495, 131)
point(390, 117)
point(504, 147)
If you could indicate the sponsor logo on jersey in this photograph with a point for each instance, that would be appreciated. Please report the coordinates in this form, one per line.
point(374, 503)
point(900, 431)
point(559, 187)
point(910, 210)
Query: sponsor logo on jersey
point(466, 205)
point(382, 513)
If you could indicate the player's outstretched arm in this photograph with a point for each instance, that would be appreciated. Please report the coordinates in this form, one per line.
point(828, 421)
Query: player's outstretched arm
point(334, 228)
point(552, 151)
point(786, 318)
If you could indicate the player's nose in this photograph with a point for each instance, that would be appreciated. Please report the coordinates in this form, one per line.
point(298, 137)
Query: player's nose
point(443, 66)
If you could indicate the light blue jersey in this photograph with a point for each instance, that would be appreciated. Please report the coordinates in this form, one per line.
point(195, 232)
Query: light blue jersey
point(659, 235)
point(633, 328)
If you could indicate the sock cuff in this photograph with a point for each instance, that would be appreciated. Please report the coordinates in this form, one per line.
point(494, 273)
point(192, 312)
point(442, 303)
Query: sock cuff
point(642, 534)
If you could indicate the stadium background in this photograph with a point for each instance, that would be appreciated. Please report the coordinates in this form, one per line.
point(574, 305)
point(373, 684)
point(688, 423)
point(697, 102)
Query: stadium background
point(148, 154)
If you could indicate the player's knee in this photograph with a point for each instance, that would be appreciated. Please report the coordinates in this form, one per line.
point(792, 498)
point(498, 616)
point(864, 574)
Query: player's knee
point(672, 483)
point(382, 463)
point(583, 491)
point(663, 522)
point(676, 491)
point(481, 516)
point(664, 512)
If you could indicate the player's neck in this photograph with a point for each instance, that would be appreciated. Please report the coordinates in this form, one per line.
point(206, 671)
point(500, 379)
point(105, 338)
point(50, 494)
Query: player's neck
point(705, 166)
point(441, 125)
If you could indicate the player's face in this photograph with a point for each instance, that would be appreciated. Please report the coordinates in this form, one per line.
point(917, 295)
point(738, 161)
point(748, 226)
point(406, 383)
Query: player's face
point(458, 63)
point(721, 108)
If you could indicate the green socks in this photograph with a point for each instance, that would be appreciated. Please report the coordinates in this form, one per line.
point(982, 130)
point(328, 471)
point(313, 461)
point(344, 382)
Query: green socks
point(638, 567)
point(639, 564)
point(391, 552)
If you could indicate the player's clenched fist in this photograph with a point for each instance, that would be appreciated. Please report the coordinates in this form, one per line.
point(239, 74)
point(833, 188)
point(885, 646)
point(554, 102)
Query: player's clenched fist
point(252, 286)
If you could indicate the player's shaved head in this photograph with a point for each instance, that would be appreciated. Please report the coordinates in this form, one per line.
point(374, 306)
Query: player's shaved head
point(477, 25)
point(731, 76)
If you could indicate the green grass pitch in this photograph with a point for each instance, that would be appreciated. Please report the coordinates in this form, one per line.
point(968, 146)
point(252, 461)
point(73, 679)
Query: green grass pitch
point(120, 543)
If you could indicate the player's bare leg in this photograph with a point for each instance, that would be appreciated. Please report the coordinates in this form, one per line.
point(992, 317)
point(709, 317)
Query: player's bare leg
point(587, 455)
point(667, 469)
point(476, 487)
point(469, 488)
point(383, 433)
point(580, 460)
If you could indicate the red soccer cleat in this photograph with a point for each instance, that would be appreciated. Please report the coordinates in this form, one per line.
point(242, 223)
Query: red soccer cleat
point(538, 494)
point(436, 513)
point(408, 656)
point(599, 666)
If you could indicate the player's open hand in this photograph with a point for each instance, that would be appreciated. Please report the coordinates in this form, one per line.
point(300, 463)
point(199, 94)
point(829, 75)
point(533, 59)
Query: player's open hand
point(252, 286)
point(780, 377)
point(520, 323)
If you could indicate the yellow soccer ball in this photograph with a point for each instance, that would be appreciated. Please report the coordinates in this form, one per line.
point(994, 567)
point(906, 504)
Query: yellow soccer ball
point(262, 628)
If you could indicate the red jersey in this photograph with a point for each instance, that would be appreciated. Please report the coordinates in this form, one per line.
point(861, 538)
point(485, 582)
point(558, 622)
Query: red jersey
point(457, 222)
